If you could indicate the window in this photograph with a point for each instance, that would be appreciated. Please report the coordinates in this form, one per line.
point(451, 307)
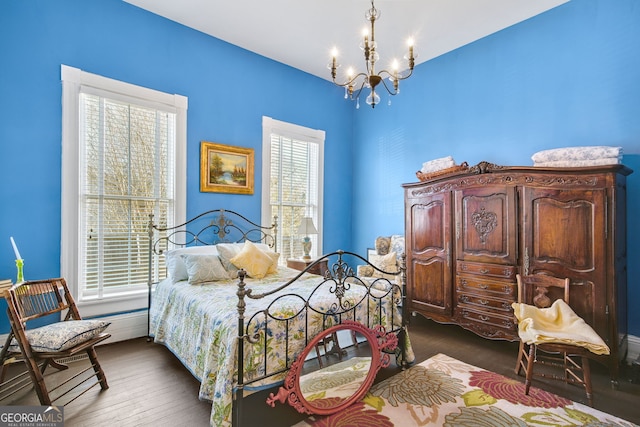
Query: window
point(292, 178)
point(122, 159)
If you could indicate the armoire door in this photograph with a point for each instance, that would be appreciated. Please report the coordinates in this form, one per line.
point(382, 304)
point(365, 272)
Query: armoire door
point(565, 234)
point(486, 225)
point(428, 239)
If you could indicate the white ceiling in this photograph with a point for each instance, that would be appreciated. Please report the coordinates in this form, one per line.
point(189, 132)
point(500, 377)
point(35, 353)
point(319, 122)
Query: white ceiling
point(302, 33)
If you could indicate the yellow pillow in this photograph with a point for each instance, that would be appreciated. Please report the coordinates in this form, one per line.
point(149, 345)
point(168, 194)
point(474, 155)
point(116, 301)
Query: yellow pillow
point(255, 262)
point(274, 258)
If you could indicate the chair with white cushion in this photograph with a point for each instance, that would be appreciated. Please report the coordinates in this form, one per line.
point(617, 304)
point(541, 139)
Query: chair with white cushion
point(45, 345)
point(552, 334)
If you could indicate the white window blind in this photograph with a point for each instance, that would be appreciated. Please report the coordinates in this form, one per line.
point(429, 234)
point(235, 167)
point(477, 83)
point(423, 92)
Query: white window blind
point(127, 173)
point(125, 144)
point(292, 183)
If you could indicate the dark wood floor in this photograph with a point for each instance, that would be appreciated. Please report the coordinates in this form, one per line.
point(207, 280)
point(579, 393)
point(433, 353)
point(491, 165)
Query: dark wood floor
point(149, 387)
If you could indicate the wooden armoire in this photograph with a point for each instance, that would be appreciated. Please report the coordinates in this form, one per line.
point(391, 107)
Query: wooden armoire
point(468, 234)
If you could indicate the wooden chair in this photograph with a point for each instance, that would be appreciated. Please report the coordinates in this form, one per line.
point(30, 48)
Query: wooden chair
point(43, 346)
point(540, 291)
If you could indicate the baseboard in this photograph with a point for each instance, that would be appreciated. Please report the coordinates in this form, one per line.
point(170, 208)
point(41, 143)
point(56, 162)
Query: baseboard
point(634, 348)
point(126, 326)
point(123, 327)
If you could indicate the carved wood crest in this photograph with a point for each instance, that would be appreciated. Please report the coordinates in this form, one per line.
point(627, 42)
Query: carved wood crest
point(484, 223)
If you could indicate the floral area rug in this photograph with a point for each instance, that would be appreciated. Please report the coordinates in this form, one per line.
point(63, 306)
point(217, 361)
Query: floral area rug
point(443, 391)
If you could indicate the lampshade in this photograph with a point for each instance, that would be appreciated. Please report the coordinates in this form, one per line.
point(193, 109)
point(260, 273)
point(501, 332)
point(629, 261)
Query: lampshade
point(307, 227)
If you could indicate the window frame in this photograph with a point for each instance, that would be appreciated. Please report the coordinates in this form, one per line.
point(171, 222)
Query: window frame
point(73, 80)
point(302, 133)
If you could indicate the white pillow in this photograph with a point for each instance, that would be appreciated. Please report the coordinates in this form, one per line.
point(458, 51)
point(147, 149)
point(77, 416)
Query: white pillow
point(204, 268)
point(176, 269)
point(228, 251)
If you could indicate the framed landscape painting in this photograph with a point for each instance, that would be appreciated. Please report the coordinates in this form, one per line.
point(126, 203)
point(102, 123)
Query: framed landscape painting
point(225, 168)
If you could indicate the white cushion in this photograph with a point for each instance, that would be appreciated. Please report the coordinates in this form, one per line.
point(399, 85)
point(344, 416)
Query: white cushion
point(62, 336)
point(203, 268)
point(176, 269)
point(228, 251)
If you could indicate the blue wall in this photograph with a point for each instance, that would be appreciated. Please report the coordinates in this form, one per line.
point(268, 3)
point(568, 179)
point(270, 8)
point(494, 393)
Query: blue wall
point(229, 90)
point(567, 77)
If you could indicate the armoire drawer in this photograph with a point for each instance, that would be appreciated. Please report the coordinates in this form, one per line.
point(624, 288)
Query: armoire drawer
point(486, 286)
point(483, 302)
point(491, 270)
point(489, 325)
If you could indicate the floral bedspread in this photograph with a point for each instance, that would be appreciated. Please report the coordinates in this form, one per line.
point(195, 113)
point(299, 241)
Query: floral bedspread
point(198, 323)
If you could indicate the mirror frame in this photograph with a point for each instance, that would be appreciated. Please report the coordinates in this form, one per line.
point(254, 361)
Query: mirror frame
point(378, 340)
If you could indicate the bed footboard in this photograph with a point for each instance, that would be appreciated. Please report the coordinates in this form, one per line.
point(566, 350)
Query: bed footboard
point(293, 319)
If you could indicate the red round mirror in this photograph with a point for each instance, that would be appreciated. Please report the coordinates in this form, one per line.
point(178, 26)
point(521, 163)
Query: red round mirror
point(314, 387)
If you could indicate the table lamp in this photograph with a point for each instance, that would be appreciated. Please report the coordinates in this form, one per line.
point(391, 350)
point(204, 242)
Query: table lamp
point(306, 228)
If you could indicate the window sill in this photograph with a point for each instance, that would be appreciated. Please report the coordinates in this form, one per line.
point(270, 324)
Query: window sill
point(113, 304)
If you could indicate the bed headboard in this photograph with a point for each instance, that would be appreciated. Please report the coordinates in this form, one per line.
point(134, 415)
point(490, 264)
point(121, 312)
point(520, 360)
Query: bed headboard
point(209, 228)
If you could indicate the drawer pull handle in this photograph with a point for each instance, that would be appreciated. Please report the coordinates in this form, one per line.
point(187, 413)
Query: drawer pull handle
point(483, 286)
point(484, 318)
point(484, 271)
point(483, 301)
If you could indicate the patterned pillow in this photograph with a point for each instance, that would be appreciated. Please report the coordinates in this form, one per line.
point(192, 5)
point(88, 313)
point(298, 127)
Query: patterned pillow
point(578, 163)
point(397, 244)
point(62, 336)
point(365, 271)
point(204, 268)
point(253, 260)
point(386, 263)
point(382, 245)
point(577, 153)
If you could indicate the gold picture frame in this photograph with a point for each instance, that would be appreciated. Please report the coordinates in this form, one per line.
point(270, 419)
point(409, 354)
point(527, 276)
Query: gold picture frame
point(225, 168)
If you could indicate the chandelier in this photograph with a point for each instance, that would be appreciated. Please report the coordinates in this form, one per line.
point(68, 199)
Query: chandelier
point(371, 79)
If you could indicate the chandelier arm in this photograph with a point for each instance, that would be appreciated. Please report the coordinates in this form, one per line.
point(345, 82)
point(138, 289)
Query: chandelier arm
point(398, 76)
point(392, 93)
point(350, 82)
point(357, 95)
